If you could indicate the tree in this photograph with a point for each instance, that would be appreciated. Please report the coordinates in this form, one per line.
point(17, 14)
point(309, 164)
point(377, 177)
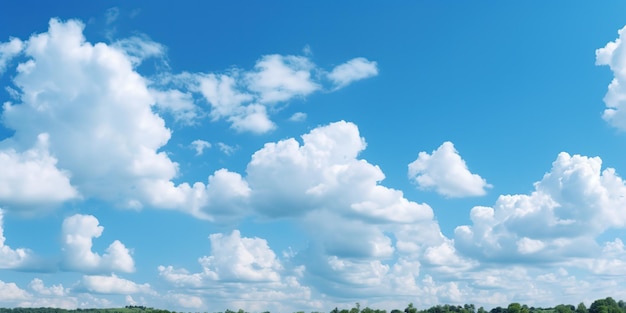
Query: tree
point(514, 308)
point(581, 308)
point(410, 309)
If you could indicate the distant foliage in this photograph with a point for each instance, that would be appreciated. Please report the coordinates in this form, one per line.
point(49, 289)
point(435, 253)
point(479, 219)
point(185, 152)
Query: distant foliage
point(606, 305)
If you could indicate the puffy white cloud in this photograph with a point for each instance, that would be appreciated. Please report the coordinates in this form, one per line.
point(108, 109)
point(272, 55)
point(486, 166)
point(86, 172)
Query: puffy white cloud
point(325, 173)
point(233, 259)
point(11, 292)
point(38, 286)
point(573, 204)
point(200, 145)
point(11, 258)
point(240, 272)
point(280, 78)
point(30, 179)
point(112, 285)
point(97, 114)
point(353, 70)
point(613, 55)
point(446, 172)
point(78, 232)
point(253, 118)
point(8, 50)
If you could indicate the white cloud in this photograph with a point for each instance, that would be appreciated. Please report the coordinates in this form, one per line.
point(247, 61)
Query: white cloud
point(10, 292)
point(11, 258)
point(38, 286)
point(227, 149)
point(325, 173)
point(233, 259)
point(78, 232)
point(179, 104)
point(253, 118)
point(31, 180)
point(279, 78)
point(97, 112)
point(113, 285)
point(298, 117)
point(446, 172)
point(8, 50)
point(351, 71)
point(573, 204)
point(139, 48)
point(200, 145)
point(613, 55)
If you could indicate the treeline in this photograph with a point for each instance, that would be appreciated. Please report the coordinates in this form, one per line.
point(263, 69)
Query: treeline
point(607, 305)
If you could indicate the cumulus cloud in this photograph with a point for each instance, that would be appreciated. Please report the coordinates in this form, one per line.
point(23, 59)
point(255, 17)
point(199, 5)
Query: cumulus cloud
point(324, 172)
point(112, 285)
point(38, 286)
point(279, 78)
point(78, 232)
point(11, 258)
point(446, 172)
point(613, 55)
point(233, 258)
point(8, 50)
point(10, 292)
point(573, 204)
point(30, 179)
point(353, 70)
point(92, 117)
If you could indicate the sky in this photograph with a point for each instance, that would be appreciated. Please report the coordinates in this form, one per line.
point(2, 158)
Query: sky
point(300, 156)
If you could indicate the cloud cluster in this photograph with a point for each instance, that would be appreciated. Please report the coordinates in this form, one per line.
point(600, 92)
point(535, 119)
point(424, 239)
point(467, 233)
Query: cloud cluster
point(78, 232)
point(612, 55)
point(446, 172)
point(575, 202)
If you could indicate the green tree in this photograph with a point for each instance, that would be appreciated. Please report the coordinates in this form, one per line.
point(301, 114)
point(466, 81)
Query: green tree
point(514, 308)
point(410, 308)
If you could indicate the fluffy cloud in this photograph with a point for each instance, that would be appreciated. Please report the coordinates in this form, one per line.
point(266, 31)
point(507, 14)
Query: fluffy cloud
point(91, 115)
point(613, 55)
point(573, 204)
point(446, 172)
point(30, 179)
point(11, 258)
point(8, 50)
point(38, 286)
point(233, 258)
point(77, 234)
point(246, 269)
point(10, 292)
point(353, 70)
point(112, 285)
point(325, 173)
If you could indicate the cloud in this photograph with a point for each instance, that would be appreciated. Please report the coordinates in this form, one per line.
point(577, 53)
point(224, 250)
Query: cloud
point(573, 204)
point(324, 172)
point(31, 180)
point(8, 50)
point(233, 259)
point(78, 232)
point(76, 94)
point(38, 286)
point(240, 272)
point(280, 78)
point(613, 55)
point(10, 292)
point(12, 258)
point(200, 145)
point(351, 71)
point(112, 285)
point(446, 172)
point(227, 149)
point(298, 117)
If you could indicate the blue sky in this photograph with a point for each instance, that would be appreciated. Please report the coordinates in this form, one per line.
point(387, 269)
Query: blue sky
point(280, 156)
